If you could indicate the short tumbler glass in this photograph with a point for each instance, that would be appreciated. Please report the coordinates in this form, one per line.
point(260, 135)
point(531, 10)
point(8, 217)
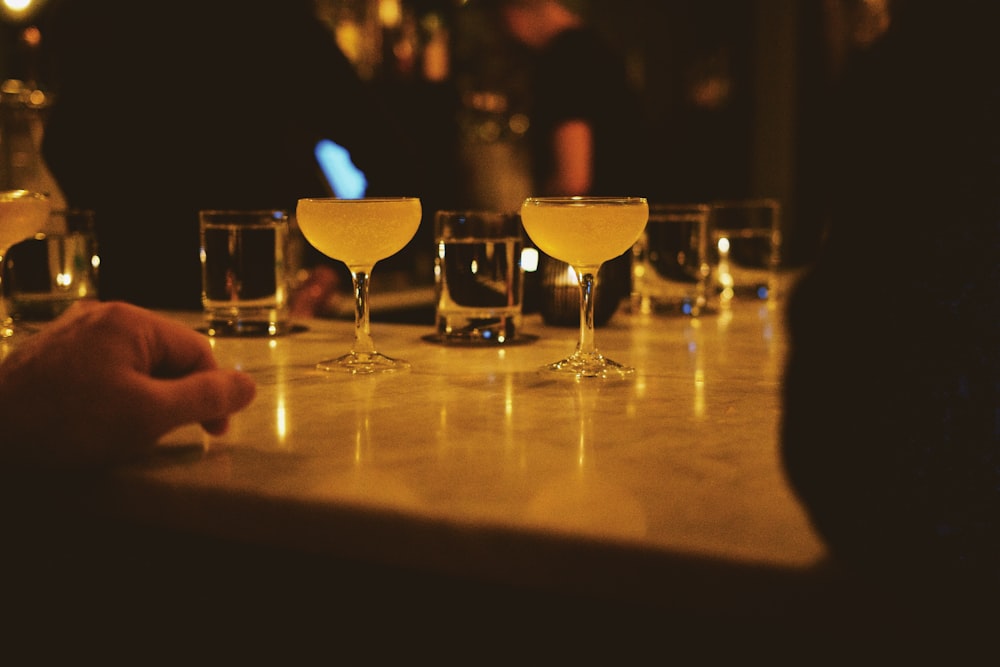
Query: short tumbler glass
point(244, 268)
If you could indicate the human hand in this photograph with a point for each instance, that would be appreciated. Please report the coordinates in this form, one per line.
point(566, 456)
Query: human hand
point(103, 382)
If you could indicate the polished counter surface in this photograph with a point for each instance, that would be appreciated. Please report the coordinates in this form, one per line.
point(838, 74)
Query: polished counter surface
point(473, 463)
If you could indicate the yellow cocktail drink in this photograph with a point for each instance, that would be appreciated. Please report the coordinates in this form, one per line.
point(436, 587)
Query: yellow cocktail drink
point(582, 231)
point(359, 232)
point(585, 232)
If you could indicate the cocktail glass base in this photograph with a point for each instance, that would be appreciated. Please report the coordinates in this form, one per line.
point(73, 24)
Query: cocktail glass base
point(364, 363)
point(593, 365)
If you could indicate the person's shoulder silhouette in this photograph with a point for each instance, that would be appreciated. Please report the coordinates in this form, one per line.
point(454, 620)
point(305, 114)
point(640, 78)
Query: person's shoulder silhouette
point(890, 433)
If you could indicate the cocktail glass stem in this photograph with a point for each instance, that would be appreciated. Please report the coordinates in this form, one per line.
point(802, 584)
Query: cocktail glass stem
point(363, 358)
point(585, 232)
point(587, 277)
point(363, 343)
point(587, 361)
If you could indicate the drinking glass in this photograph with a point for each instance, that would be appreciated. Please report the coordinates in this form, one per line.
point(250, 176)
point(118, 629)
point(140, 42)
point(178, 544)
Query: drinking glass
point(23, 213)
point(585, 232)
point(672, 262)
point(359, 232)
point(746, 235)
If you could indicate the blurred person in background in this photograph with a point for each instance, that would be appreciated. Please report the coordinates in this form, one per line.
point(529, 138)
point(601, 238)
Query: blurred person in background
point(195, 105)
point(586, 121)
point(586, 132)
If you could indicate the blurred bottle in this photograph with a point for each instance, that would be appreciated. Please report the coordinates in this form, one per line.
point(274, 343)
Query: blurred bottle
point(22, 109)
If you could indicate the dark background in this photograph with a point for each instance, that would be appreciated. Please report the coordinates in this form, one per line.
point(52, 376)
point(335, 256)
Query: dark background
point(733, 91)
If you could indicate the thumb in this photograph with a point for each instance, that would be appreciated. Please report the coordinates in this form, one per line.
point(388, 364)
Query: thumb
point(207, 397)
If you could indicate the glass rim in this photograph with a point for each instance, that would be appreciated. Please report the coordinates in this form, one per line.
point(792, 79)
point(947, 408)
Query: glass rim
point(245, 217)
point(748, 202)
point(346, 200)
point(474, 212)
point(586, 199)
point(680, 206)
point(241, 211)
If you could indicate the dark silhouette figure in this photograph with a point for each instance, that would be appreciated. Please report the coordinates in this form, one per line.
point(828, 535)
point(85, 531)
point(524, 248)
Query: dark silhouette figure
point(216, 104)
point(892, 415)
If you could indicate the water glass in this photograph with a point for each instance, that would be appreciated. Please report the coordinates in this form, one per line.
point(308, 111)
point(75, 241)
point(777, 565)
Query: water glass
point(746, 234)
point(45, 275)
point(671, 262)
point(245, 272)
point(479, 279)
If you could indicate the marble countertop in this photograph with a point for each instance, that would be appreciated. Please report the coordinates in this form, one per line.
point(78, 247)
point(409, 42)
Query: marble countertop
point(474, 463)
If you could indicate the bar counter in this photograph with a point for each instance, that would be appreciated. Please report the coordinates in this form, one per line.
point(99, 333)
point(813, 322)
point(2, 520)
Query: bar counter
point(663, 492)
point(682, 459)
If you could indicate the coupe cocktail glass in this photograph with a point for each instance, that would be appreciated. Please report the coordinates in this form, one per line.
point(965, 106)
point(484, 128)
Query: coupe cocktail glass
point(359, 232)
point(585, 232)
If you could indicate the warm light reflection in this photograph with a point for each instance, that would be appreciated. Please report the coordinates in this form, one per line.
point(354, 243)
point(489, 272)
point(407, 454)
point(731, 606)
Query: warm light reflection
point(281, 420)
point(699, 393)
point(871, 21)
point(442, 424)
point(724, 319)
point(361, 438)
point(529, 259)
point(641, 385)
point(519, 123)
point(697, 354)
point(17, 6)
point(508, 400)
point(586, 404)
point(725, 276)
point(390, 13)
point(350, 39)
point(513, 444)
point(437, 61)
point(32, 36)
